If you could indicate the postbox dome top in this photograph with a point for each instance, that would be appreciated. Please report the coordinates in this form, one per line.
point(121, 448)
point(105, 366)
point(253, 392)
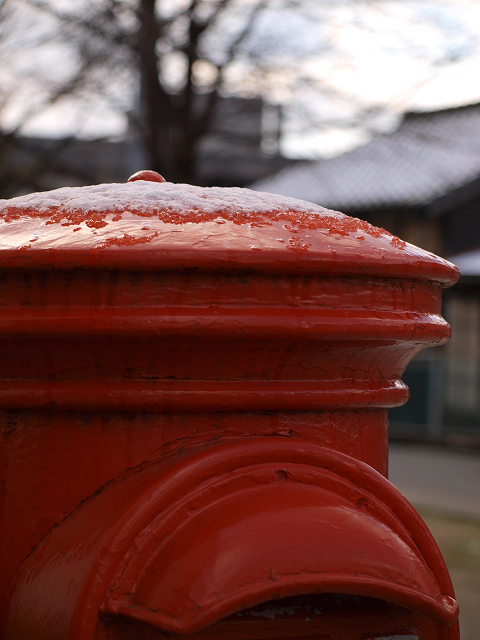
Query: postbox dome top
point(145, 224)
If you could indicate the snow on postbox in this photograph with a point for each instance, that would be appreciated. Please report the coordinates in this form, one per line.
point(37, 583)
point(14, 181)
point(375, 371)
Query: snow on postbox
point(194, 387)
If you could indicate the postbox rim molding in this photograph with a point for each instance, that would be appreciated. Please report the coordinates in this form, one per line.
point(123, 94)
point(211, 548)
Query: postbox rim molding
point(134, 505)
point(196, 227)
point(445, 274)
point(204, 395)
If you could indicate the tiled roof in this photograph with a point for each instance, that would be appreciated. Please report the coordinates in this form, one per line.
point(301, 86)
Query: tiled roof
point(468, 262)
point(428, 156)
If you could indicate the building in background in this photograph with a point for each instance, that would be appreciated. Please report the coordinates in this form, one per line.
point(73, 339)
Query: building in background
point(422, 183)
point(240, 147)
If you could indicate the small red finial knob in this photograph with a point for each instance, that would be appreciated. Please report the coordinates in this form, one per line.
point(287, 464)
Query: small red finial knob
point(150, 176)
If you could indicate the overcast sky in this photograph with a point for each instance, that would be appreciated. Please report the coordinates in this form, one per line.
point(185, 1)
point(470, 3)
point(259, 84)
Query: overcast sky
point(383, 58)
point(342, 70)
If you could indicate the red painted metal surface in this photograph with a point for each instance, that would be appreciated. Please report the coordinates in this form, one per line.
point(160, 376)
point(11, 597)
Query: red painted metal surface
point(193, 412)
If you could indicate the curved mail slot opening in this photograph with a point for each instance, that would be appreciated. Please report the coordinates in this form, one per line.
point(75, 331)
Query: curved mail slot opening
point(307, 617)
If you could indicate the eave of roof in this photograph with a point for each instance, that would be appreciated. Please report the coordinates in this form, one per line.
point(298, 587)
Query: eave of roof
point(468, 262)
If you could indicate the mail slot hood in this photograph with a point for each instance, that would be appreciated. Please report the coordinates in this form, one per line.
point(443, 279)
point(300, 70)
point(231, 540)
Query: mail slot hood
point(186, 543)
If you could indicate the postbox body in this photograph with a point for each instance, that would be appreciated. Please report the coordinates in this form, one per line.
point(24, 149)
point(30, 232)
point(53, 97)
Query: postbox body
point(194, 387)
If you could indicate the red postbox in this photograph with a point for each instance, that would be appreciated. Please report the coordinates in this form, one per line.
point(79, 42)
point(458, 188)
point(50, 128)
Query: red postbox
point(194, 387)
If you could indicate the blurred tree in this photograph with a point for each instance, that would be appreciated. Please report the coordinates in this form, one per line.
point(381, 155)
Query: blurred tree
point(144, 58)
point(176, 112)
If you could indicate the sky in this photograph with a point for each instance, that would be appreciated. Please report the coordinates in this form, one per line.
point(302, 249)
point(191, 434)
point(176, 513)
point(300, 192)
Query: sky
point(384, 58)
point(342, 71)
